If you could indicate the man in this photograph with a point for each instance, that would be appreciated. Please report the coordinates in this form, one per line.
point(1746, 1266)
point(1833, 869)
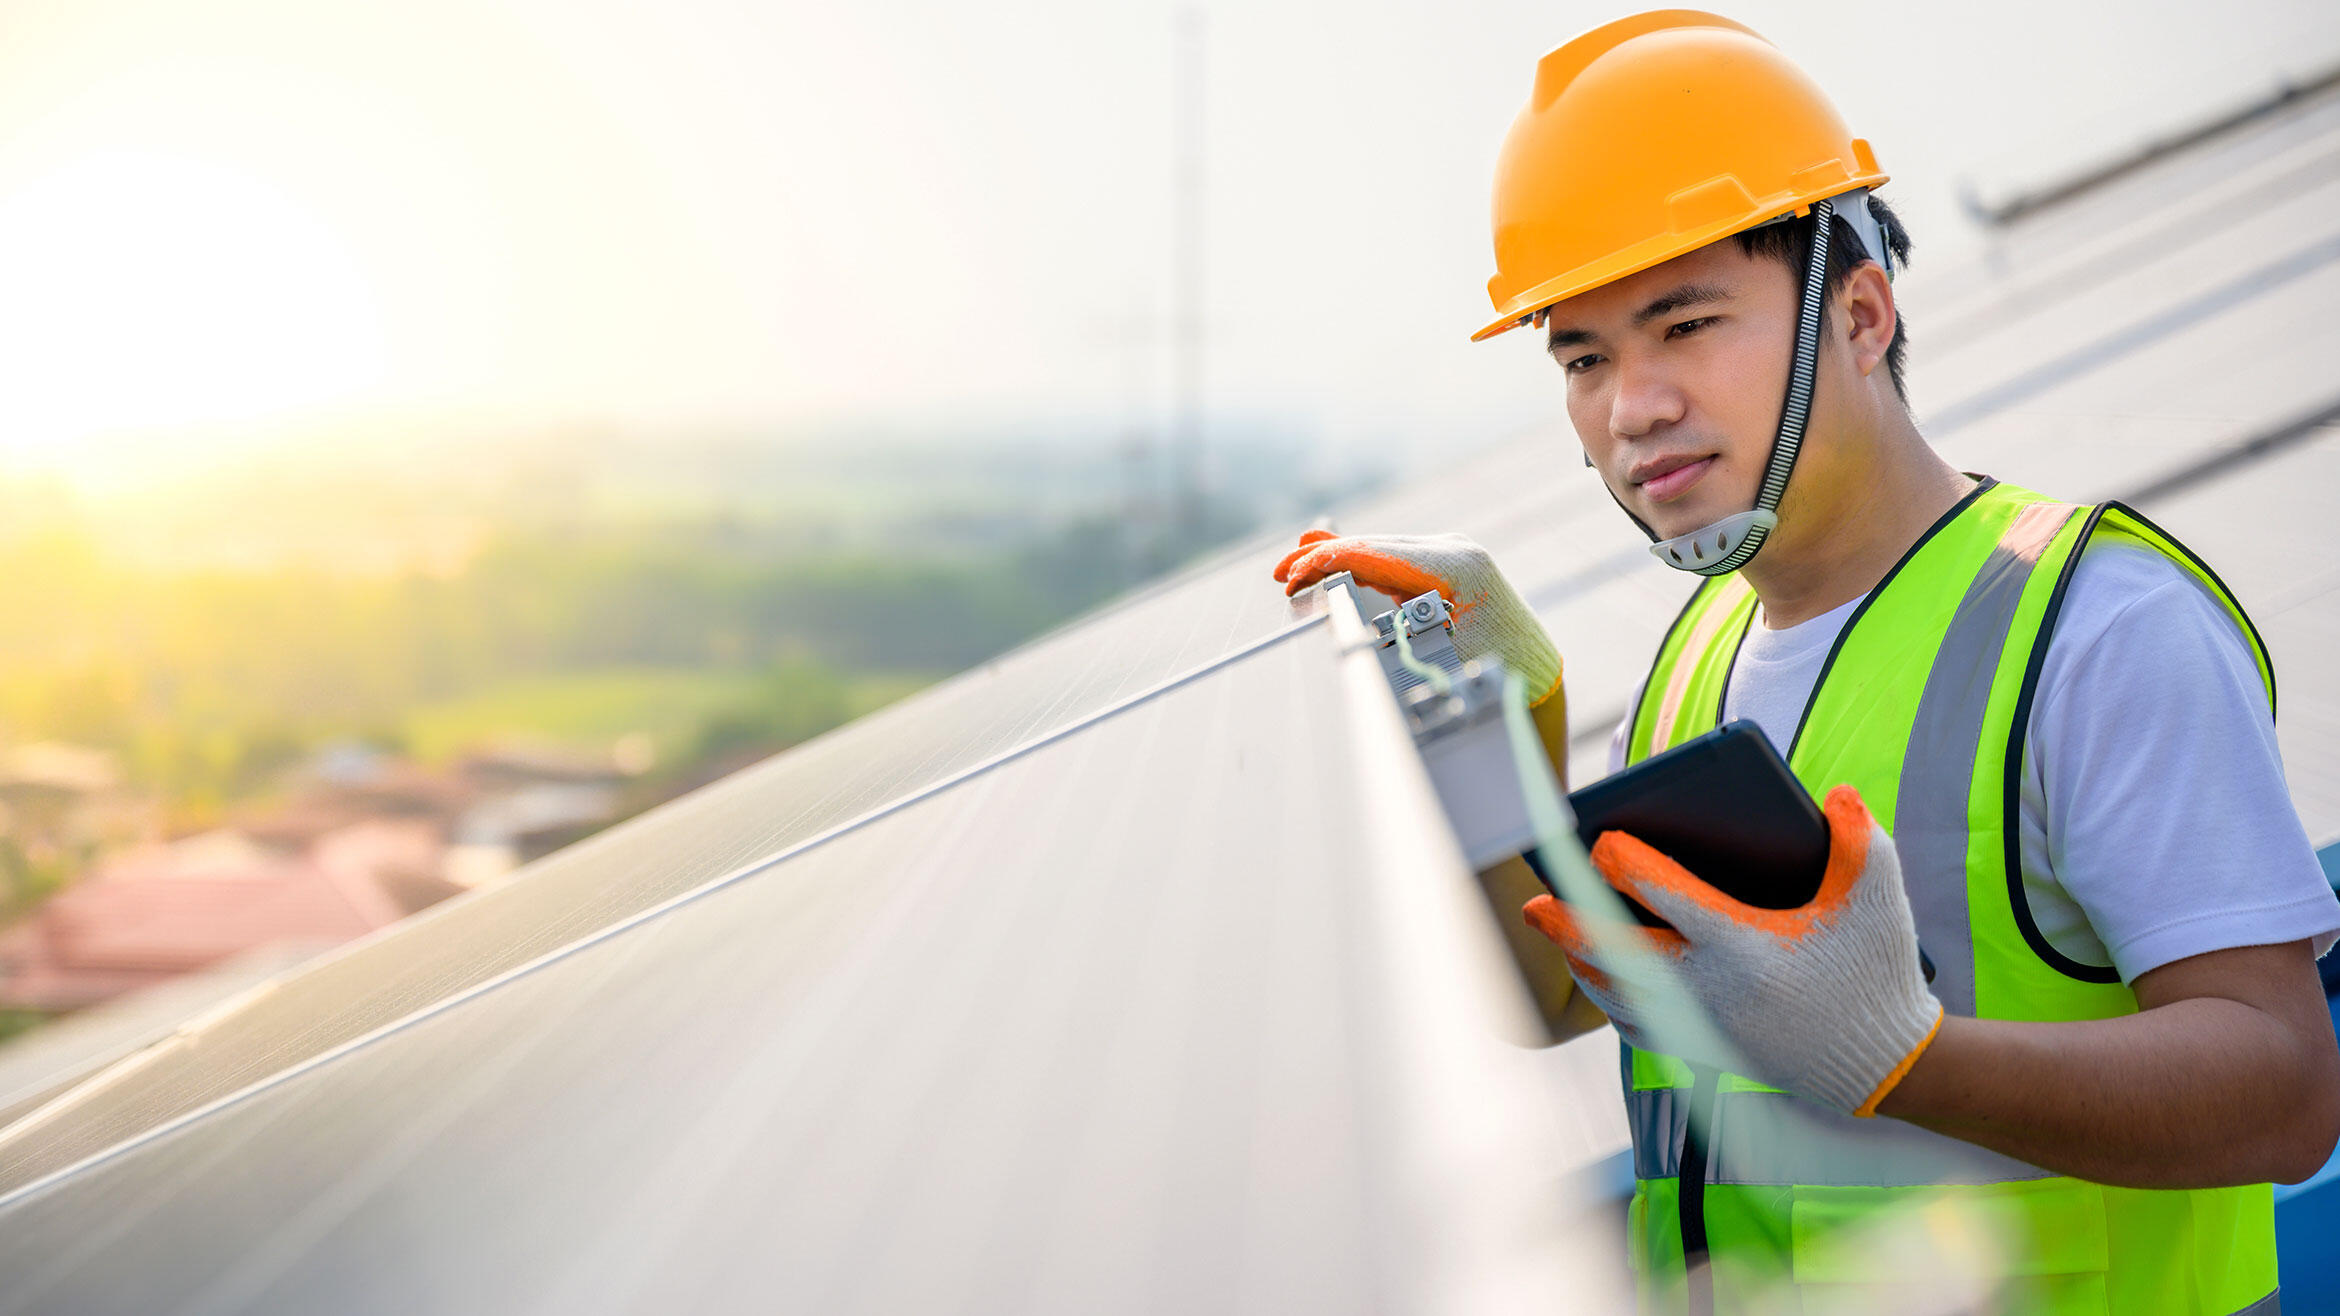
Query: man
point(2045, 735)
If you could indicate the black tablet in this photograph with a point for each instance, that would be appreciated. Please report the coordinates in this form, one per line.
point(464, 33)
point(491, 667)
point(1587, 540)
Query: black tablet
point(1725, 807)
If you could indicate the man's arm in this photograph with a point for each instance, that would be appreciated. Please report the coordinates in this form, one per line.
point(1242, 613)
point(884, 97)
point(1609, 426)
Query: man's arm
point(1551, 718)
point(2228, 1074)
point(1564, 1011)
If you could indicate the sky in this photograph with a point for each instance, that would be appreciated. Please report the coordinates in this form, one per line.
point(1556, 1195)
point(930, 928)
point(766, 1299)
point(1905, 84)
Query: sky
point(244, 222)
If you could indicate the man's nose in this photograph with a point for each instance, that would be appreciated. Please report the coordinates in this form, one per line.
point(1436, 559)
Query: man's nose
point(1646, 398)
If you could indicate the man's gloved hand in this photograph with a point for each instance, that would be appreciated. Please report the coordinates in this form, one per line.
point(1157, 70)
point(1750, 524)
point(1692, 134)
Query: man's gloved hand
point(1826, 1001)
point(1489, 617)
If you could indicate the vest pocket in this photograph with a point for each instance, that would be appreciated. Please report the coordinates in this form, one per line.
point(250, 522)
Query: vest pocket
point(2033, 1246)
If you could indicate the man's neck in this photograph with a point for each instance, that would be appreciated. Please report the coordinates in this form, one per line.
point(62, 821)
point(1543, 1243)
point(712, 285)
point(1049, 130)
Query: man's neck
point(1834, 554)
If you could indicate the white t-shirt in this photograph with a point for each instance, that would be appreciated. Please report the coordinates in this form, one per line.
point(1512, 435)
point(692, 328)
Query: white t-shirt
point(2156, 822)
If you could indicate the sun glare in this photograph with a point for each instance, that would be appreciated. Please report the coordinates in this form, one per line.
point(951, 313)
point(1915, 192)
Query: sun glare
point(143, 292)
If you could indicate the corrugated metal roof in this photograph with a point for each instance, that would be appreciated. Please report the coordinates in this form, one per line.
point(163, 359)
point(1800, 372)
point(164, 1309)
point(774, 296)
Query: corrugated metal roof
point(1111, 1018)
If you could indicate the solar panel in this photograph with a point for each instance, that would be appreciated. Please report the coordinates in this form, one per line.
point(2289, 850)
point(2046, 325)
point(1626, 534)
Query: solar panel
point(1148, 1019)
point(674, 849)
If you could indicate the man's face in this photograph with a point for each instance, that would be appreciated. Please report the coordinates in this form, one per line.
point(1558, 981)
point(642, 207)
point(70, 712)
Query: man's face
point(1675, 377)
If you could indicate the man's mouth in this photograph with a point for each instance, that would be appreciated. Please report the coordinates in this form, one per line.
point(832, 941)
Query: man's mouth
point(1668, 478)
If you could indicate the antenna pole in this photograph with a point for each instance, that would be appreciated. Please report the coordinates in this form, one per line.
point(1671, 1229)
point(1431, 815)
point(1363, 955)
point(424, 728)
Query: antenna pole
point(1186, 291)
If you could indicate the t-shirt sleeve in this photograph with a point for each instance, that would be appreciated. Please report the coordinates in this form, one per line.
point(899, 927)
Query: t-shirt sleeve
point(2168, 819)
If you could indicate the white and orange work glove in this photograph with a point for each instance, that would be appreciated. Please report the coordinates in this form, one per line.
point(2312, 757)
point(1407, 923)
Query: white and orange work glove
point(1827, 1001)
point(1489, 615)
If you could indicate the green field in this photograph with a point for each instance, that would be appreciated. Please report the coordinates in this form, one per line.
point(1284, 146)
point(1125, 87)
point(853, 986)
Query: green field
point(678, 708)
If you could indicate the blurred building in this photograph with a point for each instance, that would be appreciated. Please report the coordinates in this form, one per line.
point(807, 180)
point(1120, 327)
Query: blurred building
point(55, 797)
point(160, 911)
point(361, 841)
point(527, 803)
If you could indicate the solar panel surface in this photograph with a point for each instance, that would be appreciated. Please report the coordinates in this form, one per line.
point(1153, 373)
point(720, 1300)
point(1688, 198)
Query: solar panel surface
point(1137, 1021)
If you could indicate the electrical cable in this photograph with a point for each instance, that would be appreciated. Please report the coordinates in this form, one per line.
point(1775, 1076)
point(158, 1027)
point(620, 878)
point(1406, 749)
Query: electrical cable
point(1664, 1013)
point(1669, 1016)
point(1434, 677)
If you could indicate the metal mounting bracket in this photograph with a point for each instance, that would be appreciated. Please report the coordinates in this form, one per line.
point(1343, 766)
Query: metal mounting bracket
point(1429, 626)
point(1460, 730)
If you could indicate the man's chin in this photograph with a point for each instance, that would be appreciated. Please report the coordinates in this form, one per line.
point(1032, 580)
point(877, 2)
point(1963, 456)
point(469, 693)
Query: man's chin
point(1690, 515)
point(1675, 523)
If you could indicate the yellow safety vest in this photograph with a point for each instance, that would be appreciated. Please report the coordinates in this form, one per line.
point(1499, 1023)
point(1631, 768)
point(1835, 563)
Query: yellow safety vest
point(1922, 705)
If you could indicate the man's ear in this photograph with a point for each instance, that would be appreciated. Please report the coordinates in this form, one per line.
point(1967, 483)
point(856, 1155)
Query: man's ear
point(1869, 317)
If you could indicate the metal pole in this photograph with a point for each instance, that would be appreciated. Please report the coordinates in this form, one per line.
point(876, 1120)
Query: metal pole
point(1186, 291)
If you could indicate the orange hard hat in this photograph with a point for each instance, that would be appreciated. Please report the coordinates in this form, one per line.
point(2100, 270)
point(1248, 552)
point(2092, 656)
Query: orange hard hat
point(1650, 137)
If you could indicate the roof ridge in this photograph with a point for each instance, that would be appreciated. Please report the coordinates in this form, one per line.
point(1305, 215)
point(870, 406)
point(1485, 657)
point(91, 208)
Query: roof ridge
point(2048, 196)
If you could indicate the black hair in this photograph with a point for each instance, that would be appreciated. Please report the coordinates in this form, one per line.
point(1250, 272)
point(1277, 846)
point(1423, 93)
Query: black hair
point(1791, 245)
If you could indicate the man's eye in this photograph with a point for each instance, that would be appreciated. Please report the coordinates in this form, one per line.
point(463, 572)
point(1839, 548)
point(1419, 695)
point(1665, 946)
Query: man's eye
point(1689, 326)
point(1579, 365)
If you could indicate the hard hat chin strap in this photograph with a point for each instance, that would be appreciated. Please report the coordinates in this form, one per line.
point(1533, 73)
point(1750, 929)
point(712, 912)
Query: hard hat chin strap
point(1726, 545)
point(1720, 546)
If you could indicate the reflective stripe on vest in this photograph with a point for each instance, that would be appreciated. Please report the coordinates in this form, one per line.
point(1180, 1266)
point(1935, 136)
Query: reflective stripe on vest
point(1922, 705)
